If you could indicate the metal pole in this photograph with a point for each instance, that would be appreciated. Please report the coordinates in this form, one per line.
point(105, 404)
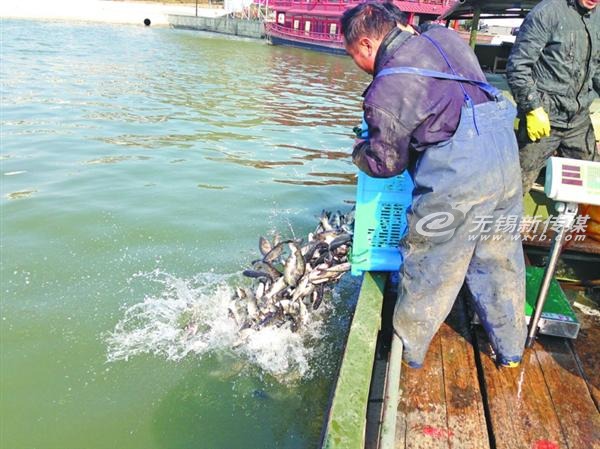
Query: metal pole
point(196, 8)
point(567, 213)
point(475, 26)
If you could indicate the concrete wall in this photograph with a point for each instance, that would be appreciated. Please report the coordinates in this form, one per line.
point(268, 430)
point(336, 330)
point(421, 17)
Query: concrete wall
point(225, 25)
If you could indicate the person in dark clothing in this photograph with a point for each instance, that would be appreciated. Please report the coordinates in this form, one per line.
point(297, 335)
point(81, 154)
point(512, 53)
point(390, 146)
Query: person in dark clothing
point(554, 74)
point(429, 110)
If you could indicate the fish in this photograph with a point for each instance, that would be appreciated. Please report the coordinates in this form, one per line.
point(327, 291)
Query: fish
point(324, 221)
point(264, 245)
point(304, 288)
point(302, 312)
point(266, 267)
point(295, 266)
point(252, 310)
point(240, 292)
point(231, 312)
point(275, 253)
point(285, 305)
point(325, 257)
point(260, 290)
point(336, 220)
point(277, 287)
point(267, 318)
point(291, 277)
point(341, 268)
point(256, 274)
point(339, 241)
point(326, 236)
point(310, 250)
point(317, 296)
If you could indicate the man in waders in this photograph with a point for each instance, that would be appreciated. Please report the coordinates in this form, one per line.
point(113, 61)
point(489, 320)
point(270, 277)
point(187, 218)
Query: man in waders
point(429, 109)
point(554, 74)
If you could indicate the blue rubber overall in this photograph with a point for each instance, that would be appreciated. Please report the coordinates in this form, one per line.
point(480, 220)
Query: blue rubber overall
point(465, 187)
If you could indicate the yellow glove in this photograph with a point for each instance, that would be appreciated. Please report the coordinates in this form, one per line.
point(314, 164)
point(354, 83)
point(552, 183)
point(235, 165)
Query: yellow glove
point(538, 124)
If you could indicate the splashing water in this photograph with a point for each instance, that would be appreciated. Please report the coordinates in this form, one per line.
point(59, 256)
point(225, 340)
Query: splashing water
point(190, 317)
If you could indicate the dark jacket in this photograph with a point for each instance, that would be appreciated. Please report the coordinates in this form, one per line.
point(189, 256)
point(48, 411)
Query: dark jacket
point(555, 62)
point(408, 111)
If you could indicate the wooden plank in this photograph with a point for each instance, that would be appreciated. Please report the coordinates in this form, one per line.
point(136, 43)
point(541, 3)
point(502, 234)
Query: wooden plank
point(422, 409)
point(441, 405)
point(467, 427)
point(521, 410)
point(577, 413)
point(586, 348)
point(347, 416)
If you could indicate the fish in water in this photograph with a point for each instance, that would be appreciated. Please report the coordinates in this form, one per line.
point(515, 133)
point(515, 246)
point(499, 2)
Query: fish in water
point(291, 277)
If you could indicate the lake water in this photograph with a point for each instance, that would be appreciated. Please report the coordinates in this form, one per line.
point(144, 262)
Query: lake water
point(138, 168)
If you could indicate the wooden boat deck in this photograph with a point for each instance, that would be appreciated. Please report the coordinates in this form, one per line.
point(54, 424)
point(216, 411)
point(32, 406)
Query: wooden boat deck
point(461, 400)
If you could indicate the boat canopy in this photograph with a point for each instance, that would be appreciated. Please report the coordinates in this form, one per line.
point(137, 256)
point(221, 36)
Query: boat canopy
point(500, 9)
point(495, 9)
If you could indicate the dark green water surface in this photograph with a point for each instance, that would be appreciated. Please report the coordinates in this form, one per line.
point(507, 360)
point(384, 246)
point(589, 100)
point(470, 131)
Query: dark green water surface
point(138, 168)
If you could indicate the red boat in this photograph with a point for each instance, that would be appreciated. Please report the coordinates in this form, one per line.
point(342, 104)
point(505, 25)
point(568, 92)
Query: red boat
point(315, 24)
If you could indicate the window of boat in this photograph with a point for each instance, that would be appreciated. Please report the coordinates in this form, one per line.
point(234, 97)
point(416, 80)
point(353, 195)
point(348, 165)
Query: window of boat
point(296, 24)
point(307, 26)
point(333, 28)
point(281, 18)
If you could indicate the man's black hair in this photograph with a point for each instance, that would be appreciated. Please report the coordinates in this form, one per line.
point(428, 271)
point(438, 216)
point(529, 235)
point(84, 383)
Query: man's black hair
point(369, 19)
point(399, 16)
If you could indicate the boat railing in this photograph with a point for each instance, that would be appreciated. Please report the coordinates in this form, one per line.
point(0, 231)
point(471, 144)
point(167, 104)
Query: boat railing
point(273, 28)
point(313, 6)
point(343, 4)
point(303, 3)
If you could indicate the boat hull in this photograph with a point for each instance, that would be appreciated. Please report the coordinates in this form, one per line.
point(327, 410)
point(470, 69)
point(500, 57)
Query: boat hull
point(291, 42)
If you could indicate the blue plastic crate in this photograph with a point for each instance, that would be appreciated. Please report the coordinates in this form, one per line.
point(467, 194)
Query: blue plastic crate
point(380, 222)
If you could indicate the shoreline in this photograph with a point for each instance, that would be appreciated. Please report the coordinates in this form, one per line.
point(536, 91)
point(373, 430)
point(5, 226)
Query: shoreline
point(102, 11)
